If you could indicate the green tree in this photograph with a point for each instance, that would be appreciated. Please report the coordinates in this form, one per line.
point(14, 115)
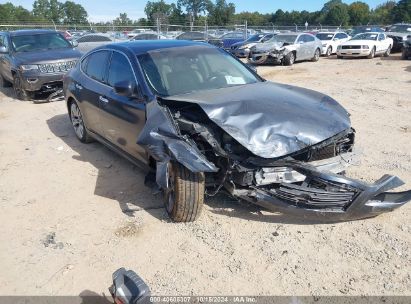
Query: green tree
point(402, 11)
point(48, 10)
point(359, 13)
point(122, 20)
point(11, 13)
point(74, 13)
point(382, 14)
point(157, 7)
point(221, 13)
point(195, 7)
point(335, 12)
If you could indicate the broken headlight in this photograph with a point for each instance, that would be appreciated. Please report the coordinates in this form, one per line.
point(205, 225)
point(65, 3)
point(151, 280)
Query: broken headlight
point(29, 67)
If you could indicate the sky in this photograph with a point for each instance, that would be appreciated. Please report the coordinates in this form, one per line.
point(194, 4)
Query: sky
point(107, 10)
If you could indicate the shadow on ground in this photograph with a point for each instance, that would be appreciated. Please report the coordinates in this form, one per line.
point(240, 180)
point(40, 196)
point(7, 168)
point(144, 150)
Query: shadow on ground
point(91, 297)
point(116, 178)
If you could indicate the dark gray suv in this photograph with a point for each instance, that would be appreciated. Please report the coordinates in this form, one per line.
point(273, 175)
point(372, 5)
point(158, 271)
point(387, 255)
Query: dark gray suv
point(35, 61)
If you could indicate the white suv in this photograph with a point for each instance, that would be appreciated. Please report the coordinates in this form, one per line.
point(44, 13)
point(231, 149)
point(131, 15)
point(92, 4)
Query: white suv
point(331, 40)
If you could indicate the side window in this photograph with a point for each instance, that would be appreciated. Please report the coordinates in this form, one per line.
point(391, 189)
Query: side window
point(84, 64)
point(341, 36)
point(301, 39)
point(120, 70)
point(4, 41)
point(96, 65)
point(381, 37)
point(308, 38)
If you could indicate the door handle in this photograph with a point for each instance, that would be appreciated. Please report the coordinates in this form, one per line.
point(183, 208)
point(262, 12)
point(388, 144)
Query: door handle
point(103, 99)
point(78, 86)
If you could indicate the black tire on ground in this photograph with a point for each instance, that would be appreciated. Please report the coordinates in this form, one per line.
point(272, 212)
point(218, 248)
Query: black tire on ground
point(4, 83)
point(329, 51)
point(317, 55)
point(289, 59)
point(185, 198)
point(387, 52)
point(372, 54)
point(21, 94)
point(77, 121)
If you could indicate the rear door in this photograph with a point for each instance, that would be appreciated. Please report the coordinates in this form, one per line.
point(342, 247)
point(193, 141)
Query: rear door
point(91, 85)
point(122, 117)
point(5, 64)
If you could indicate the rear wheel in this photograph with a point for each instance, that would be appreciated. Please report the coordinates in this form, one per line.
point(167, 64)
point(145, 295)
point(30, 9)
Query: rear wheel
point(387, 52)
point(78, 123)
point(316, 55)
point(21, 94)
point(372, 54)
point(289, 59)
point(185, 197)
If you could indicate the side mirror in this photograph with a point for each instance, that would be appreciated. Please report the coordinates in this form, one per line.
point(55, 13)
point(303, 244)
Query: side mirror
point(74, 43)
point(300, 42)
point(124, 88)
point(335, 39)
point(3, 50)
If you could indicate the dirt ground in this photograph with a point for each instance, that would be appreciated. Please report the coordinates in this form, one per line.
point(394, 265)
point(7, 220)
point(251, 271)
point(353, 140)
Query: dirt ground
point(71, 213)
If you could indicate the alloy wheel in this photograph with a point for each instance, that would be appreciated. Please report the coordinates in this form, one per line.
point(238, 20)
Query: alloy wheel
point(77, 120)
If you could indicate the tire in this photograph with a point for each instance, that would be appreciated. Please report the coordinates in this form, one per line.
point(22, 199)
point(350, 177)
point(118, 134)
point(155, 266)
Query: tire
point(4, 83)
point(185, 198)
point(21, 94)
point(372, 54)
point(387, 52)
point(77, 121)
point(289, 59)
point(329, 52)
point(317, 55)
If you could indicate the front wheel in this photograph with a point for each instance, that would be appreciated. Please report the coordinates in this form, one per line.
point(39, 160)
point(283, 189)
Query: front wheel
point(289, 59)
point(329, 52)
point(372, 54)
point(184, 197)
point(387, 52)
point(21, 94)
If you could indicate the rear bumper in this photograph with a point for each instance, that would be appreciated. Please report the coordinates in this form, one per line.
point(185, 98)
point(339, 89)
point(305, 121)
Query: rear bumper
point(328, 196)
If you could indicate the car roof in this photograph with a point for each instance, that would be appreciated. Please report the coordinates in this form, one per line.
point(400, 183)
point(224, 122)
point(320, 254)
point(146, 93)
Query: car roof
point(30, 32)
point(372, 33)
point(144, 46)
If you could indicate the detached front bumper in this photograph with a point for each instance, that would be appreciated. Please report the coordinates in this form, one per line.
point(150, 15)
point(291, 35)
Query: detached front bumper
point(265, 57)
point(35, 81)
point(328, 196)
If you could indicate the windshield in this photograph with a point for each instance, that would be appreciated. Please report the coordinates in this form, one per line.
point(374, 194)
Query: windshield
point(255, 38)
point(284, 38)
point(38, 42)
point(365, 36)
point(400, 28)
point(174, 71)
point(324, 36)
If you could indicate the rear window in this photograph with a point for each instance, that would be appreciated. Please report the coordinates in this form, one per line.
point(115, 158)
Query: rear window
point(96, 65)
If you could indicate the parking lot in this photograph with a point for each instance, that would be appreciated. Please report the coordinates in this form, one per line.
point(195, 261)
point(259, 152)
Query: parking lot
point(72, 213)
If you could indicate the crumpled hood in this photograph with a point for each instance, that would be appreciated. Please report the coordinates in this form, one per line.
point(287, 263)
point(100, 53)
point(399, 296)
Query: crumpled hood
point(47, 56)
point(271, 120)
point(269, 46)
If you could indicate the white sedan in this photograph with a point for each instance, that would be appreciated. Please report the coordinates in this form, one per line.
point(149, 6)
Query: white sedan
point(366, 45)
point(331, 40)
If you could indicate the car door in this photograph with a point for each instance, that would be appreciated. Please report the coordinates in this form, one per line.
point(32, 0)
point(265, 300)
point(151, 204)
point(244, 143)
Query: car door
point(383, 43)
point(311, 46)
point(302, 48)
point(123, 117)
point(92, 84)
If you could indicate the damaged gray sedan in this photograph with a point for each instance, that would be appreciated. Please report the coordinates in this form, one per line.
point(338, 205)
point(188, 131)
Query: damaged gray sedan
point(202, 122)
